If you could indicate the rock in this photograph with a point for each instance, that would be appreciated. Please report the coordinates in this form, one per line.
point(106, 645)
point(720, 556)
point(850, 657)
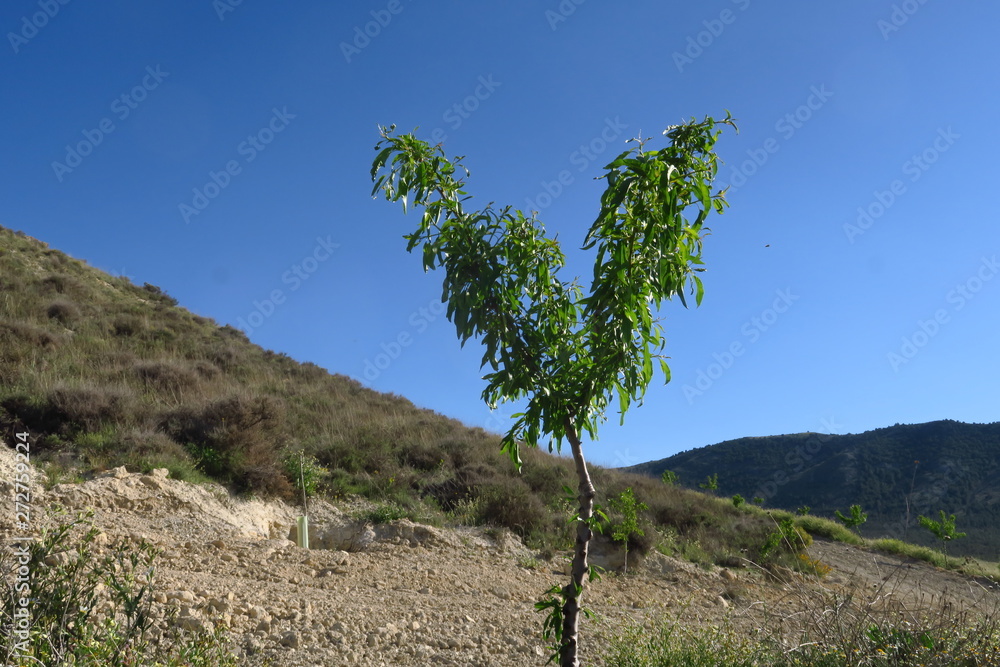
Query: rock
point(152, 482)
point(722, 602)
point(194, 624)
point(58, 559)
point(728, 575)
point(289, 639)
point(608, 554)
point(347, 535)
point(121, 472)
point(181, 596)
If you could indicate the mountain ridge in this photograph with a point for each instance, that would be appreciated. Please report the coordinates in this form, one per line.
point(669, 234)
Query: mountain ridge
point(939, 465)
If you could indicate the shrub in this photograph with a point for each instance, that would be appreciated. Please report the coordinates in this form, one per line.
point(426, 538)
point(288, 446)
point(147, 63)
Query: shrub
point(158, 295)
point(63, 311)
point(124, 326)
point(23, 332)
point(233, 440)
point(87, 407)
point(509, 504)
point(61, 283)
point(93, 609)
point(384, 513)
point(305, 472)
point(857, 517)
point(146, 450)
point(167, 375)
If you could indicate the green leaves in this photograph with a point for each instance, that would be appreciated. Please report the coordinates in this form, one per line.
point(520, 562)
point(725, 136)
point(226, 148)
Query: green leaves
point(943, 530)
point(567, 355)
point(857, 517)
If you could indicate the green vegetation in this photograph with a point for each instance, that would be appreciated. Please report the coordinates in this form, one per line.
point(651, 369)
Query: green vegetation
point(92, 606)
point(128, 378)
point(142, 383)
point(856, 519)
point(943, 530)
point(959, 465)
point(627, 526)
point(846, 635)
point(566, 354)
point(711, 483)
point(669, 477)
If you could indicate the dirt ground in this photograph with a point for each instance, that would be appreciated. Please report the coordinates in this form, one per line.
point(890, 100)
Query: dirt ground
point(405, 594)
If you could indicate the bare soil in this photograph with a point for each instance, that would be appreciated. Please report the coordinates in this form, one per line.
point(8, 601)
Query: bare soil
point(416, 595)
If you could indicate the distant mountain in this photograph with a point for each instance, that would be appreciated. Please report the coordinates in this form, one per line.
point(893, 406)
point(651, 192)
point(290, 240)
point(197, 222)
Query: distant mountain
point(942, 465)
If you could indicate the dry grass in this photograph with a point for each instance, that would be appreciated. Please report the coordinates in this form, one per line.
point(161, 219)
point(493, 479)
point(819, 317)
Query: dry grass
point(894, 624)
point(103, 372)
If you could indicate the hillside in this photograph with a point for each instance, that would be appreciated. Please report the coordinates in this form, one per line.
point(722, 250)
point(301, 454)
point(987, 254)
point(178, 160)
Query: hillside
point(104, 373)
point(943, 465)
point(180, 435)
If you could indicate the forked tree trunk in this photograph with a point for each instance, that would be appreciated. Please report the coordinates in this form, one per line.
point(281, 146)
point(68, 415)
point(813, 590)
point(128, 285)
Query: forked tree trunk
point(574, 591)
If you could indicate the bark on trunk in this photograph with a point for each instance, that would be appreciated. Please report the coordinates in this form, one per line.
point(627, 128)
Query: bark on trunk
point(574, 591)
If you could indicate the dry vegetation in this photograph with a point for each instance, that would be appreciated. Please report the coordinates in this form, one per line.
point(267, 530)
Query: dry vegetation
point(103, 373)
point(106, 373)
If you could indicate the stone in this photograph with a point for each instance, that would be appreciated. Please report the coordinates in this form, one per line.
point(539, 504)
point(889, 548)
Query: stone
point(194, 624)
point(289, 639)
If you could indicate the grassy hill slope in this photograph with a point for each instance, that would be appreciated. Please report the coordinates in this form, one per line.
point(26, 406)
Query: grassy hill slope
point(106, 373)
point(943, 465)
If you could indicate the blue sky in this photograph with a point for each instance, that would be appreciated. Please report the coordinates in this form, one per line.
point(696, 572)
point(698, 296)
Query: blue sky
point(221, 150)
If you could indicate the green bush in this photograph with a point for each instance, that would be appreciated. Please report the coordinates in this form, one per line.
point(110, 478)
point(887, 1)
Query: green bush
point(91, 609)
point(305, 472)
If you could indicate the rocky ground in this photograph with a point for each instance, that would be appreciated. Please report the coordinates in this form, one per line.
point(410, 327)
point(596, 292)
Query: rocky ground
point(407, 594)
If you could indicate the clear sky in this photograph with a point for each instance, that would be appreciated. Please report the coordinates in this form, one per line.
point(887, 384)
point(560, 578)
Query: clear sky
point(221, 151)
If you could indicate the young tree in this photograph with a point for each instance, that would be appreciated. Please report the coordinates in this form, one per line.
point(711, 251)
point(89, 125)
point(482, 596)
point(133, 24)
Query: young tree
point(944, 529)
point(565, 354)
point(711, 483)
point(856, 519)
point(669, 477)
point(629, 508)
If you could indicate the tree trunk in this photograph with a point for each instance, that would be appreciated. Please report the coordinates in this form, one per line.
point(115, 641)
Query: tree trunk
point(574, 591)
